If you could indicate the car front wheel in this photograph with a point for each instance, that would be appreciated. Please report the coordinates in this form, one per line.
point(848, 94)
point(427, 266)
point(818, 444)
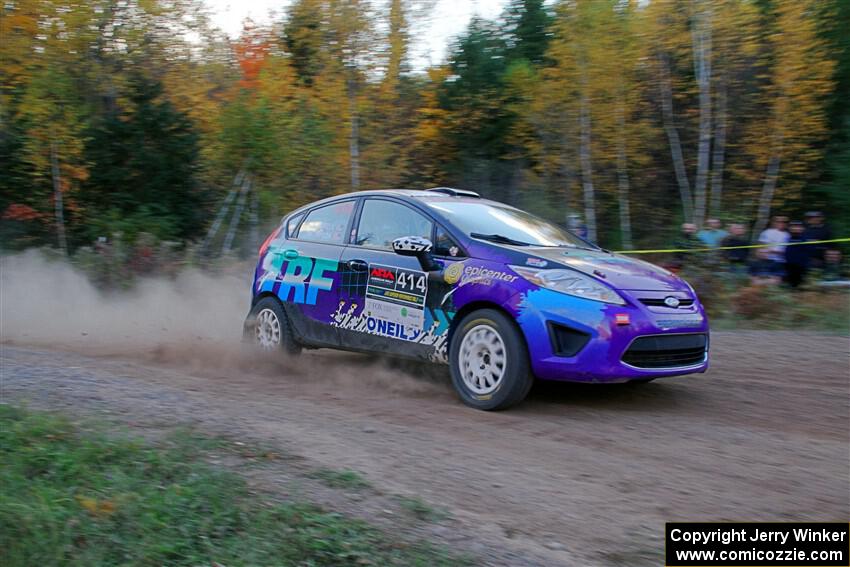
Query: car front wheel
point(489, 361)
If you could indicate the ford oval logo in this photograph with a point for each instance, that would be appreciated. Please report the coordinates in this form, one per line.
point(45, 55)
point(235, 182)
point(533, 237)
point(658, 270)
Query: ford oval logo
point(671, 302)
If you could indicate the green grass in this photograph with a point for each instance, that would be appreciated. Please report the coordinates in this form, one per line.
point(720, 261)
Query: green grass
point(735, 303)
point(73, 495)
point(420, 509)
point(345, 479)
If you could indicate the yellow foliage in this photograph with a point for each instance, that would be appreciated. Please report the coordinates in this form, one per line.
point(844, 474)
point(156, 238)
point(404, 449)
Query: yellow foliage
point(97, 507)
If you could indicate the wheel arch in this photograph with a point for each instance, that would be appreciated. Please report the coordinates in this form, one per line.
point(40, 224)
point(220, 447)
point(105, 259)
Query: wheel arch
point(262, 295)
point(476, 306)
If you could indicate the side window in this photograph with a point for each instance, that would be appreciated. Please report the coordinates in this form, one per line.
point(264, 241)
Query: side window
point(445, 245)
point(292, 224)
point(381, 222)
point(327, 224)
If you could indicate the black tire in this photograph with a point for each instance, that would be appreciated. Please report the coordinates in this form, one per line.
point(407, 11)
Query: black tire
point(266, 310)
point(516, 378)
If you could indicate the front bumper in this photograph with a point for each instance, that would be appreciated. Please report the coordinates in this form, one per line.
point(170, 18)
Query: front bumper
point(611, 351)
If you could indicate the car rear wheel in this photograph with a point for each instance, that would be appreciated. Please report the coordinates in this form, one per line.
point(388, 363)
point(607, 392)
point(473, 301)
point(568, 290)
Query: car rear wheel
point(489, 361)
point(269, 327)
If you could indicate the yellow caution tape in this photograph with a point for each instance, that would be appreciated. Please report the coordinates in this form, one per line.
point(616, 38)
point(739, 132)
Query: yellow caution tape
point(669, 250)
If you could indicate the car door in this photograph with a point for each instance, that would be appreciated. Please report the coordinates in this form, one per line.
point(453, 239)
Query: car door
point(305, 270)
point(383, 296)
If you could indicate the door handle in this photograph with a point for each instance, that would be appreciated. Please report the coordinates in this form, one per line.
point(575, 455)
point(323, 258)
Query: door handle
point(290, 254)
point(357, 265)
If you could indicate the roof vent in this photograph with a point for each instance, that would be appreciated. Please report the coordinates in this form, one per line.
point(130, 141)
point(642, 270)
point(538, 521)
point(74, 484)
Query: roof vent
point(455, 192)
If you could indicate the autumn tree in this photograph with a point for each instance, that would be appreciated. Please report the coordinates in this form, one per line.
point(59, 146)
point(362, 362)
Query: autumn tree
point(800, 81)
point(388, 119)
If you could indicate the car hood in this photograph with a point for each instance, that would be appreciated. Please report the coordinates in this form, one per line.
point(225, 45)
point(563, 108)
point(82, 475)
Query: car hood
point(618, 270)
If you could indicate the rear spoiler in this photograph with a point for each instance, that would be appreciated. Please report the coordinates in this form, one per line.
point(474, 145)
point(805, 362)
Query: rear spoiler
point(455, 192)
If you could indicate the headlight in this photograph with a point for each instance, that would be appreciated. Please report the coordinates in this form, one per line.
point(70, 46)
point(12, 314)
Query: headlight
point(570, 282)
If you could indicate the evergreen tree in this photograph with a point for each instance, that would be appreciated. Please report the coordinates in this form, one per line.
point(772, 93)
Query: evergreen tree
point(303, 38)
point(833, 193)
point(142, 169)
point(529, 25)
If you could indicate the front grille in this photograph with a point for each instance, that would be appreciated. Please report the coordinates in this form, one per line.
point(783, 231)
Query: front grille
point(659, 302)
point(666, 351)
point(566, 341)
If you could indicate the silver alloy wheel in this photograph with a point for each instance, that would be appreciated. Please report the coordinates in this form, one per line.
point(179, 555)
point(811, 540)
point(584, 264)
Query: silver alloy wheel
point(482, 359)
point(267, 329)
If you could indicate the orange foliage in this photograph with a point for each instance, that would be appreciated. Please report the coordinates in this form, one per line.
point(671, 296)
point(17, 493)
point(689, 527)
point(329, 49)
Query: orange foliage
point(19, 212)
point(252, 51)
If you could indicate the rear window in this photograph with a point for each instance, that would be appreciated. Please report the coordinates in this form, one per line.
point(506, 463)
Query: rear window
point(327, 224)
point(292, 224)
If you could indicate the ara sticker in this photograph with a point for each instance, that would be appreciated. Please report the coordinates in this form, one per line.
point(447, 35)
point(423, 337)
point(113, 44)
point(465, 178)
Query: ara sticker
point(396, 295)
point(536, 262)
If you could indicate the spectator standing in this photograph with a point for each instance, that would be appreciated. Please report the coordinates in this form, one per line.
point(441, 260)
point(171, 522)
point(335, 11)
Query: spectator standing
point(764, 270)
point(686, 241)
point(796, 257)
point(737, 258)
point(832, 265)
point(712, 235)
point(776, 236)
point(576, 226)
point(817, 229)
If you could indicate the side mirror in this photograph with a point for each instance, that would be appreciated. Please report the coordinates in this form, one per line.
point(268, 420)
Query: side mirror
point(418, 247)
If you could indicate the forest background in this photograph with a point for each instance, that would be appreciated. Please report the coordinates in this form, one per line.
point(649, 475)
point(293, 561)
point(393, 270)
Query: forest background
point(129, 119)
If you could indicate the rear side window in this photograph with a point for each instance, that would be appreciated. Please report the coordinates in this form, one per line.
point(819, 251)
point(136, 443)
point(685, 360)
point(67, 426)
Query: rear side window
point(381, 222)
point(327, 224)
point(292, 224)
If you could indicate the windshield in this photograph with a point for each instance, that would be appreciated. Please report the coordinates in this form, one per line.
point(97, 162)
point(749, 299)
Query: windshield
point(490, 219)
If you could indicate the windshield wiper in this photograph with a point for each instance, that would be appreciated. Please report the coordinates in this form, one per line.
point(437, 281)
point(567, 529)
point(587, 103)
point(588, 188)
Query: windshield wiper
point(576, 247)
point(500, 238)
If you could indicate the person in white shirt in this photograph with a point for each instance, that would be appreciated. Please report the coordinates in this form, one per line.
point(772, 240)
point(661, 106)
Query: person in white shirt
point(777, 235)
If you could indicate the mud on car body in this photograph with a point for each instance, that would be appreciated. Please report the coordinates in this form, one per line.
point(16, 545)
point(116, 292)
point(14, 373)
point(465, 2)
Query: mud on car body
point(497, 293)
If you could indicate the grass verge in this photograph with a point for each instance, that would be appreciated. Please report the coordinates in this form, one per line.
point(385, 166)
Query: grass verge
point(73, 495)
point(421, 509)
point(344, 479)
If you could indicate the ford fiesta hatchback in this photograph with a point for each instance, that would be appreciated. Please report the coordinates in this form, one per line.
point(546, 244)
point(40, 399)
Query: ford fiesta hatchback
point(500, 295)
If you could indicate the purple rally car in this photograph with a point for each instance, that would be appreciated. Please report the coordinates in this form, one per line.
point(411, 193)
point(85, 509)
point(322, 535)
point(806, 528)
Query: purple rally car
point(500, 295)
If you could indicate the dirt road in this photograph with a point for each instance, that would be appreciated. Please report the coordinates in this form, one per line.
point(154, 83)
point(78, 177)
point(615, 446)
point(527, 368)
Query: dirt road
point(578, 475)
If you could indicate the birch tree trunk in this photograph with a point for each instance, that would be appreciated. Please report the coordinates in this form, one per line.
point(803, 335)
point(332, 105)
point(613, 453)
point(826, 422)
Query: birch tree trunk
point(222, 212)
point(514, 181)
point(623, 182)
point(769, 188)
point(254, 221)
point(227, 246)
point(719, 158)
point(567, 173)
point(586, 168)
point(666, 94)
point(354, 136)
point(57, 199)
point(701, 35)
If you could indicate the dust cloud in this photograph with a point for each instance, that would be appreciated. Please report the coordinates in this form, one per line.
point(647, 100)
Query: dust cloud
point(192, 321)
point(48, 302)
